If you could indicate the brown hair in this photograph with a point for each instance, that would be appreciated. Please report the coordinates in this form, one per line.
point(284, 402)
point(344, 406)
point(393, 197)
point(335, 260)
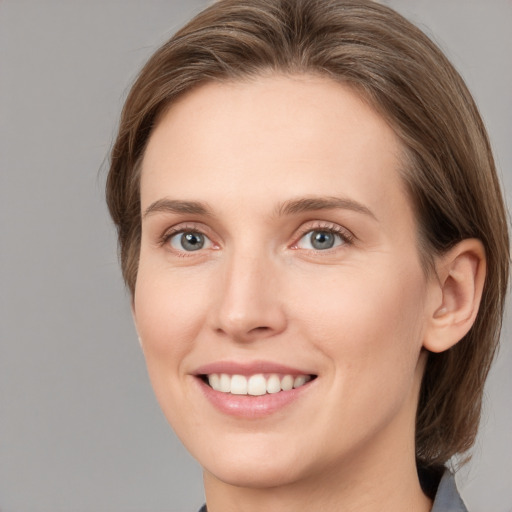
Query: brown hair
point(448, 164)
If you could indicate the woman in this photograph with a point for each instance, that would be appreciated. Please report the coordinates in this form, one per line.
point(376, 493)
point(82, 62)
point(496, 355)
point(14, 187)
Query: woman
point(314, 238)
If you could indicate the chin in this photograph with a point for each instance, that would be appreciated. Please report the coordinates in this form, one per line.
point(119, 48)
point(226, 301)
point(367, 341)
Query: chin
point(251, 475)
point(253, 463)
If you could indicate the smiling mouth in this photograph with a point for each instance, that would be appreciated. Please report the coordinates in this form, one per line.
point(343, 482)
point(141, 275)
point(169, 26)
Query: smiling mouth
point(254, 385)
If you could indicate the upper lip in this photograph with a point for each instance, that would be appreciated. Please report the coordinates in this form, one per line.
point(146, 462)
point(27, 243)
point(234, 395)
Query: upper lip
point(248, 368)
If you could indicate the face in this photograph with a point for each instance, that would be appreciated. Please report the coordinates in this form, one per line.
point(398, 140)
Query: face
point(279, 249)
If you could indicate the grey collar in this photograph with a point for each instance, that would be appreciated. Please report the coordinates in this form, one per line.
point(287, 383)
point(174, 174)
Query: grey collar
point(447, 497)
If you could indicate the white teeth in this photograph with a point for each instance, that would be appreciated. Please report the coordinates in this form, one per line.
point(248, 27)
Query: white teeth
point(225, 383)
point(214, 381)
point(287, 383)
point(299, 381)
point(255, 385)
point(238, 385)
point(273, 384)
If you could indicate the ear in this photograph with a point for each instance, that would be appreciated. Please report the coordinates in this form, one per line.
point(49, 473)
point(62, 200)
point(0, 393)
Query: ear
point(456, 296)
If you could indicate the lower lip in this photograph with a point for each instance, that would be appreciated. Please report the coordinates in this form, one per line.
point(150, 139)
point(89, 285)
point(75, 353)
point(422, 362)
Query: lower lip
point(248, 406)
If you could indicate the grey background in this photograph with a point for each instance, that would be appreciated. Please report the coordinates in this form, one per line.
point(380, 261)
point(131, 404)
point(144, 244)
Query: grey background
point(79, 427)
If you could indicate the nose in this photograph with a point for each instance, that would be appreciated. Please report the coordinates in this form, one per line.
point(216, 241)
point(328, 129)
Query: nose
point(249, 304)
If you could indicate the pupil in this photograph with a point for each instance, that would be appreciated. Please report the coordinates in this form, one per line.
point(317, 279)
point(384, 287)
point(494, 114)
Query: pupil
point(322, 239)
point(192, 241)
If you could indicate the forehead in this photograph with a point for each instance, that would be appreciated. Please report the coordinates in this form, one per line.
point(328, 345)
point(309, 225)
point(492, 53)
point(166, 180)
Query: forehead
point(271, 138)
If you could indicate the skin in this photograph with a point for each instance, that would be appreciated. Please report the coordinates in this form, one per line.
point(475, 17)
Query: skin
point(357, 315)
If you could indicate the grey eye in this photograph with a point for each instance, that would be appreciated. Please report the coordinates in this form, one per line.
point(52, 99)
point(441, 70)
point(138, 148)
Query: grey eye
point(189, 241)
point(320, 240)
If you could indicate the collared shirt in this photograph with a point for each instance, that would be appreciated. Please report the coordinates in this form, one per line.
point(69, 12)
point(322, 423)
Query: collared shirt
point(447, 497)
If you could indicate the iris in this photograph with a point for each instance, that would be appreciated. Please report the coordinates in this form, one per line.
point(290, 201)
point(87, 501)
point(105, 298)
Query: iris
point(192, 241)
point(322, 240)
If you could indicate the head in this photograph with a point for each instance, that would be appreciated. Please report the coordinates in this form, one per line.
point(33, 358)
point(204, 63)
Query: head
point(446, 165)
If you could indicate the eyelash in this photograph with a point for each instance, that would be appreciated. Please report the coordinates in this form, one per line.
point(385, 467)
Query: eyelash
point(344, 234)
point(180, 230)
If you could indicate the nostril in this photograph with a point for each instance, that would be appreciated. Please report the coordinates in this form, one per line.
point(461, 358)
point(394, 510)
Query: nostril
point(260, 329)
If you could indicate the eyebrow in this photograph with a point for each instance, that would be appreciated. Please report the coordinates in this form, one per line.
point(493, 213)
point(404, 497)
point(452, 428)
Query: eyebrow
point(307, 204)
point(291, 207)
point(177, 206)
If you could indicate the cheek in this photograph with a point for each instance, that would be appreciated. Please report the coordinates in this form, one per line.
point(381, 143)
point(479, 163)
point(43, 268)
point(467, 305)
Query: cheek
point(169, 313)
point(370, 325)
point(348, 303)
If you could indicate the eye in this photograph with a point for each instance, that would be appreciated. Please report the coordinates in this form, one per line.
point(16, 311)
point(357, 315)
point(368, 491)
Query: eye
point(189, 241)
point(321, 240)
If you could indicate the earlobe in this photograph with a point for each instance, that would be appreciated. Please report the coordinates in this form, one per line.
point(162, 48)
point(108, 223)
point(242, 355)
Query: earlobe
point(460, 281)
